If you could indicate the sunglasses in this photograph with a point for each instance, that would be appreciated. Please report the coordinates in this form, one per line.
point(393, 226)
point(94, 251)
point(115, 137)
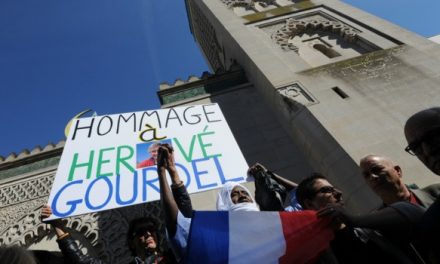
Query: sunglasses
point(414, 148)
point(142, 231)
point(326, 189)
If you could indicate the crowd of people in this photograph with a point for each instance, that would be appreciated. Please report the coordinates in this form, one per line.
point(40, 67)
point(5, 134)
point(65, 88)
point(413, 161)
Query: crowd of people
point(403, 229)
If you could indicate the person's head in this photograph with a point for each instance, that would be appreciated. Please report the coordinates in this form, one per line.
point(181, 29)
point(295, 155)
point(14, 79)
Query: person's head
point(422, 132)
point(240, 195)
point(234, 196)
point(143, 236)
point(384, 178)
point(153, 149)
point(16, 255)
point(315, 192)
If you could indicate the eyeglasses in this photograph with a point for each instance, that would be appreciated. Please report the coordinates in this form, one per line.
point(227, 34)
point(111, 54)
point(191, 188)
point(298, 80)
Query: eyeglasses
point(326, 189)
point(430, 137)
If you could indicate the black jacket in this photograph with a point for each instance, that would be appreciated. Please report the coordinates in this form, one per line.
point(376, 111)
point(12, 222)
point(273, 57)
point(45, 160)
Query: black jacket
point(73, 254)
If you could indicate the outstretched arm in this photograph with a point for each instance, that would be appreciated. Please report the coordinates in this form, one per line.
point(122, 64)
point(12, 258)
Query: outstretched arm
point(67, 245)
point(289, 185)
point(178, 188)
point(165, 160)
point(398, 217)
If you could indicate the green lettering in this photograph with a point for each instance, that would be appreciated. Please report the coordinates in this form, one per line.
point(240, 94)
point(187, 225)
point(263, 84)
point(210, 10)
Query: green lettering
point(102, 161)
point(75, 165)
point(123, 160)
point(188, 157)
point(204, 146)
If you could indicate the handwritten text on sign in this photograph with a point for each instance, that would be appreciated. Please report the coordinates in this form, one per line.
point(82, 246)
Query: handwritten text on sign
point(109, 161)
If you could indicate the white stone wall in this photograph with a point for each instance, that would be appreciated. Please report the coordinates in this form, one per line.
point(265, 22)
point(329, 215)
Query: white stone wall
point(384, 86)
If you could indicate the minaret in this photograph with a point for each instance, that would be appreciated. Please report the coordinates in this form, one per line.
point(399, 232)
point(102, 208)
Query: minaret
point(337, 82)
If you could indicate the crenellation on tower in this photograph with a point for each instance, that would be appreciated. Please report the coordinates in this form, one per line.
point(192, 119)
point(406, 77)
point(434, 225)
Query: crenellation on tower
point(205, 85)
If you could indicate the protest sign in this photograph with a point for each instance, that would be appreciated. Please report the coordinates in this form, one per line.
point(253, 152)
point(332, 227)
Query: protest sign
point(109, 161)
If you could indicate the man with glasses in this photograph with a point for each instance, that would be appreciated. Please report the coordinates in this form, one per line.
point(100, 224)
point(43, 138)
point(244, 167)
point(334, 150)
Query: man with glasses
point(422, 131)
point(315, 193)
point(353, 245)
point(384, 177)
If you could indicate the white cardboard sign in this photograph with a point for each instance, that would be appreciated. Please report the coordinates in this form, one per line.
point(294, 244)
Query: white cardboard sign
point(108, 161)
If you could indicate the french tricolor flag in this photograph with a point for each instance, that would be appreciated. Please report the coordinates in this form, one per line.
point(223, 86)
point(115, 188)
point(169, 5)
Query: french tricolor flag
point(257, 237)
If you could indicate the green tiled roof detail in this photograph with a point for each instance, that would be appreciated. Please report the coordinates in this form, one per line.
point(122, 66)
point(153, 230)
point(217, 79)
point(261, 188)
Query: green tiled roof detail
point(26, 168)
point(194, 91)
point(201, 87)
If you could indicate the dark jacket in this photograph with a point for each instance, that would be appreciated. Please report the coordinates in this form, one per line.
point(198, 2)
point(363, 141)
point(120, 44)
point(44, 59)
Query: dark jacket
point(183, 200)
point(73, 254)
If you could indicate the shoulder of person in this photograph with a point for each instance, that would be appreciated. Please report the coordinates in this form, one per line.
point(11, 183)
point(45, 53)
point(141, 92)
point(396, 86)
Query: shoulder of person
point(433, 189)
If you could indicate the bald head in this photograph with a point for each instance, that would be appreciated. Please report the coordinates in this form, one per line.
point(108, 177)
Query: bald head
point(384, 177)
point(372, 158)
point(422, 132)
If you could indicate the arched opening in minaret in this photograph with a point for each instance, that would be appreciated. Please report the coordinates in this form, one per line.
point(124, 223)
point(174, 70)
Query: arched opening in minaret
point(327, 51)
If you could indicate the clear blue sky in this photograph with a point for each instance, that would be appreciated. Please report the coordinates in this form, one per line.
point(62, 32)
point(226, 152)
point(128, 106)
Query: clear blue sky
point(59, 57)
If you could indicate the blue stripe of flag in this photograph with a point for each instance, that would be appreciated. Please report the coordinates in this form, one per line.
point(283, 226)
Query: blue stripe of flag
point(209, 238)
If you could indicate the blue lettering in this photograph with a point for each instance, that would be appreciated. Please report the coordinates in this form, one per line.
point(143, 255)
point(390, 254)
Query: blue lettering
point(118, 189)
point(197, 175)
point(220, 172)
point(71, 203)
point(89, 188)
point(146, 182)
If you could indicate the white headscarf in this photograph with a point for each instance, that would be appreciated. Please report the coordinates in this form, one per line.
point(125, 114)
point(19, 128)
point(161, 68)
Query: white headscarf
point(224, 201)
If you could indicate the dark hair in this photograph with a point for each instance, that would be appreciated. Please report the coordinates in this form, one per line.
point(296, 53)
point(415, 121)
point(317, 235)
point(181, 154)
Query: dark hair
point(146, 223)
point(16, 255)
point(305, 188)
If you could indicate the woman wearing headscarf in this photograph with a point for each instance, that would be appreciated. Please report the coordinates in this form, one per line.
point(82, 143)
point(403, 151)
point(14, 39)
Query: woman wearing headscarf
point(235, 197)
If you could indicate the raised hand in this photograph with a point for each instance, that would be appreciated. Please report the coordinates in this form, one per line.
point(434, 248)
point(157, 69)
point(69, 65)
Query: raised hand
point(254, 169)
point(165, 157)
point(46, 212)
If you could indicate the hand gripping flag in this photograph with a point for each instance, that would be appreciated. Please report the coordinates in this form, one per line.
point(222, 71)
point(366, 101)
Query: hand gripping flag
point(257, 237)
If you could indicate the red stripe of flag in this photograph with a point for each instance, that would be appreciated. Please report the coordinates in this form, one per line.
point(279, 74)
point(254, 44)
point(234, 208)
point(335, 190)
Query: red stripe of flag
point(306, 236)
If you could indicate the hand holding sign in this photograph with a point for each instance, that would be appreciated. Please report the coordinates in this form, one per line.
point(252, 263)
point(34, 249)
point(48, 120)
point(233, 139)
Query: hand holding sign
point(165, 157)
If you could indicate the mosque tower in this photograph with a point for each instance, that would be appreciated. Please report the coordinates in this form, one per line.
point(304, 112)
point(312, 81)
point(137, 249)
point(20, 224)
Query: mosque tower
point(313, 86)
